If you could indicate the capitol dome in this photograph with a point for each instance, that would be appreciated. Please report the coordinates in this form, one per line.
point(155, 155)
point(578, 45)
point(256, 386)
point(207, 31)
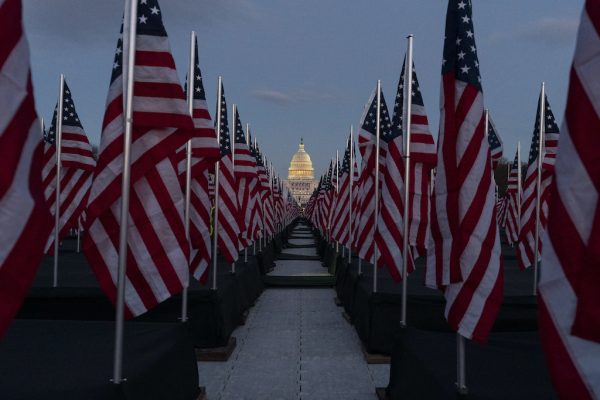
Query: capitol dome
point(301, 165)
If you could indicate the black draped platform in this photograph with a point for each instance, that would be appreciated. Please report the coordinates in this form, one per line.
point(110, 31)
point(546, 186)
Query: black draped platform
point(376, 316)
point(510, 366)
point(41, 359)
point(213, 314)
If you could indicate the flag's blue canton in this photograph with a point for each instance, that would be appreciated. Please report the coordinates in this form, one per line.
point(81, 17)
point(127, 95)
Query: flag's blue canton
point(149, 23)
point(515, 164)
point(70, 116)
point(417, 99)
point(259, 157)
point(460, 51)
point(385, 124)
point(224, 140)
point(493, 137)
point(551, 127)
point(199, 93)
point(327, 181)
point(346, 161)
point(251, 147)
point(240, 136)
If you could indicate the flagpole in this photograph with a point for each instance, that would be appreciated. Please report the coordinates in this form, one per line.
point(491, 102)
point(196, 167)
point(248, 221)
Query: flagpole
point(58, 151)
point(351, 239)
point(337, 187)
point(519, 189)
point(247, 228)
point(188, 167)
point(406, 122)
point(461, 376)
point(538, 184)
point(129, 30)
point(216, 217)
point(234, 122)
point(376, 198)
point(78, 234)
point(486, 127)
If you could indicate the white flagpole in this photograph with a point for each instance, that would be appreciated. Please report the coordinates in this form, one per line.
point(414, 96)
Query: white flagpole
point(376, 198)
point(519, 188)
point(232, 140)
point(262, 207)
point(247, 144)
point(406, 122)
point(461, 376)
point(216, 217)
point(188, 167)
point(350, 188)
point(486, 128)
point(337, 187)
point(78, 234)
point(129, 44)
point(538, 184)
point(58, 151)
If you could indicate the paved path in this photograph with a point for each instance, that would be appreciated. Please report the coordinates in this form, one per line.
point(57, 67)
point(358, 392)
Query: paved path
point(298, 268)
point(295, 345)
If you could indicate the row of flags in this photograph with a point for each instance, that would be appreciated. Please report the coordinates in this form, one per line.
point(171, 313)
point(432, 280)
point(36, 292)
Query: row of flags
point(227, 175)
point(454, 211)
point(452, 208)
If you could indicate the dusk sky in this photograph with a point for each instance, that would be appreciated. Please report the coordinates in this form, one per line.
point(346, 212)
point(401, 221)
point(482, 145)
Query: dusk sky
point(306, 68)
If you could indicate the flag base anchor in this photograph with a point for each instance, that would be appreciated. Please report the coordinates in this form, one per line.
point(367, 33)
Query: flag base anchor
point(381, 393)
point(217, 353)
point(202, 393)
point(461, 390)
point(375, 358)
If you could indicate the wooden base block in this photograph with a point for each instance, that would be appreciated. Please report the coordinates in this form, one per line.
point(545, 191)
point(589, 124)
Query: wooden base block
point(202, 393)
point(217, 353)
point(381, 393)
point(337, 301)
point(375, 358)
point(347, 317)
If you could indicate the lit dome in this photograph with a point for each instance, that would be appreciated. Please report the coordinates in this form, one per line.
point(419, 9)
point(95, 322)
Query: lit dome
point(301, 165)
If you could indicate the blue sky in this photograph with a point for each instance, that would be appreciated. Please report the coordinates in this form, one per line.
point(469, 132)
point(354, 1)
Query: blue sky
point(306, 68)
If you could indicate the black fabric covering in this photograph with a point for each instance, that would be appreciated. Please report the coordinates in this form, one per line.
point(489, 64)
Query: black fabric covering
point(510, 366)
point(266, 258)
point(73, 360)
point(376, 316)
point(213, 315)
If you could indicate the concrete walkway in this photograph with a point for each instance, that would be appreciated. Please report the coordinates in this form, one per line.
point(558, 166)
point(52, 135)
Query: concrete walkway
point(295, 345)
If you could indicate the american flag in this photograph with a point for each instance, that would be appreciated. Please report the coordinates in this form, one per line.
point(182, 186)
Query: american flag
point(365, 238)
point(526, 248)
point(568, 288)
point(228, 217)
point(255, 225)
point(390, 234)
point(157, 249)
point(24, 218)
point(465, 257)
point(245, 174)
point(356, 200)
point(423, 159)
point(77, 162)
point(341, 213)
point(501, 203)
point(205, 151)
point(265, 196)
point(494, 141)
point(513, 202)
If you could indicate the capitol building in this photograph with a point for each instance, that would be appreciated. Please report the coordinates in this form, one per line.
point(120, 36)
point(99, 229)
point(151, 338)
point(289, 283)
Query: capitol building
point(301, 178)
